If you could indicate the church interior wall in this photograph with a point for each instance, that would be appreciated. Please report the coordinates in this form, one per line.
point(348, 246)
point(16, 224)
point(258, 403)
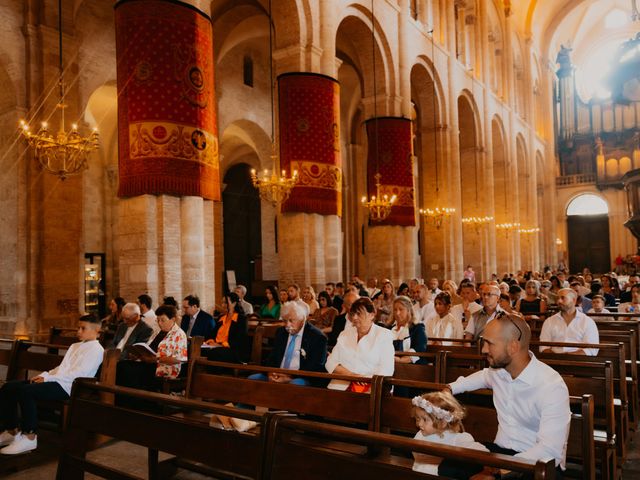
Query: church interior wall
point(500, 134)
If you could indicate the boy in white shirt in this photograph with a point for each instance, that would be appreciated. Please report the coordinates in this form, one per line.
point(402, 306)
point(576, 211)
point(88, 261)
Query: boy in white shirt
point(81, 360)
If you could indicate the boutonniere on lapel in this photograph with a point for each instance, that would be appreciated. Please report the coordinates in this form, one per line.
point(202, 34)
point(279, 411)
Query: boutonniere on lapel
point(303, 354)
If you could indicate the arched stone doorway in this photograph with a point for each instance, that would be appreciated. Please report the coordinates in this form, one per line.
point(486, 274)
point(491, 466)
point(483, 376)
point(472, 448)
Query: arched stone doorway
point(242, 225)
point(588, 233)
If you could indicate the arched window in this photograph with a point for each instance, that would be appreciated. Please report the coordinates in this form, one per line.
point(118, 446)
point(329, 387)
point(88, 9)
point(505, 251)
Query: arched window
point(587, 204)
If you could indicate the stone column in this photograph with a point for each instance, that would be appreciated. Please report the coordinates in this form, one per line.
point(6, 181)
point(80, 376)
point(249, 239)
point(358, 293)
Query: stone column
point(165, 227)
point(454, 243)
point(50, 274)
point(310, 244)
point(392, 249)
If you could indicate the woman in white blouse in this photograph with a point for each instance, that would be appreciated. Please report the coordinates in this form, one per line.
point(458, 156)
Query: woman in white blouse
point(443, 324)
point(366, 350)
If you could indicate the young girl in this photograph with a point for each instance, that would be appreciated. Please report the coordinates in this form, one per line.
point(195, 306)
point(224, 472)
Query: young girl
point(439, 417)
point(443, 324)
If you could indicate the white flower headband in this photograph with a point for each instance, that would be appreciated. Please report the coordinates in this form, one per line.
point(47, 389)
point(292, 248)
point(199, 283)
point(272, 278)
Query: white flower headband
point(427, 406)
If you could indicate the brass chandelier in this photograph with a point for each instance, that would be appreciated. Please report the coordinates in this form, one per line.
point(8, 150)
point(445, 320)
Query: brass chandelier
point(273, 188)
point(64, 153)
point(379, 206)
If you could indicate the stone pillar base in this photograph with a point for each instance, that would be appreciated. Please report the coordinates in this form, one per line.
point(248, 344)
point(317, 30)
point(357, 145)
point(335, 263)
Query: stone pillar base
point(310, 249)
point(166, 248)
point(391, 252)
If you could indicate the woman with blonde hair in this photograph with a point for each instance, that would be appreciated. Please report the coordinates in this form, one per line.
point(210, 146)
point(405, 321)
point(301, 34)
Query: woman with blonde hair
point(408, 332)
point(309, 297)
point(384, 304)
point(451, 288)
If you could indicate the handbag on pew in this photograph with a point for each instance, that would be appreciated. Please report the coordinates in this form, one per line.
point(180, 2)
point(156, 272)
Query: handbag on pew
point(345, 385)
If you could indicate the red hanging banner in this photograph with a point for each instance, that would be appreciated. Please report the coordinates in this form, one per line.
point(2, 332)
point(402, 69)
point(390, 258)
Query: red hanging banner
point(309, 122)
point(390, 153)
point(167, 132)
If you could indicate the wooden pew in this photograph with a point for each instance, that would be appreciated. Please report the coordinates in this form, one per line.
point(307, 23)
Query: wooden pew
point(482, 423)
point(228, 453)
point(627, 338)
point(287, 454)
point(597, 379)
point(262, 342)
point(428, 371)
point(615, 353)
point(347, 407)
point(6, 351)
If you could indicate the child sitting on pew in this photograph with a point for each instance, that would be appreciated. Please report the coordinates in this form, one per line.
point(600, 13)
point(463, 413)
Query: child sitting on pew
point(439, 417)
point(81, 360)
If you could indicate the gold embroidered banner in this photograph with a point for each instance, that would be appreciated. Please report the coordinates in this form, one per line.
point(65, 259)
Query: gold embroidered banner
point(309, 121)
point(391, 153)
point(167, 133)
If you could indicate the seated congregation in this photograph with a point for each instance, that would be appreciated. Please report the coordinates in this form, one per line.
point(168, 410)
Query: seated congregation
point(468, 368)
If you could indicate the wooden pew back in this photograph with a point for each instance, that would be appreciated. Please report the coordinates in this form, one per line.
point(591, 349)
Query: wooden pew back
point(290, 435)
point(331, 404)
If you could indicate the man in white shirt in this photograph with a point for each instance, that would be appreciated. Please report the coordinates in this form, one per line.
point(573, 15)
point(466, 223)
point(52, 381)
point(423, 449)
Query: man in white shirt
point(423, 308)
point(294, 296)
point(148, 315)
point(433, 288)
point(480, 319)
point(241, 291)
point(469, 306)
point(372, 287)
point(531, 399)
point(569, 325)
point(81, 360)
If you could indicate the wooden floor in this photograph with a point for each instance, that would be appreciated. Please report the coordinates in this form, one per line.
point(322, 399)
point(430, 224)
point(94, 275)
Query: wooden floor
point(41, 464)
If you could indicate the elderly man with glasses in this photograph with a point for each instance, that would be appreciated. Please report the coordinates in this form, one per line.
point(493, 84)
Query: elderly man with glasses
point(480, 319)
point(131, 330)
point(531, 399)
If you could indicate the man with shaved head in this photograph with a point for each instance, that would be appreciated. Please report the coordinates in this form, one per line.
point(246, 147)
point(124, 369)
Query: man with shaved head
point(569, 325)
point(490, 308)
point(531, 399)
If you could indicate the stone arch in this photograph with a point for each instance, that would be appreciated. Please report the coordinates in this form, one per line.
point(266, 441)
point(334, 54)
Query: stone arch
point(471, 181)
point(496, 45)
point(291, 19)
point(244, 141)
point(502, 196)
point(431, 186)
point(354, 50)
point(245, 145)
point(354, 46)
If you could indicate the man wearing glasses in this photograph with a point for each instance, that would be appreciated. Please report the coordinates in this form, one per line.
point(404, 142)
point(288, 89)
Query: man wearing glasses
point(531, 399)
point(480, 319)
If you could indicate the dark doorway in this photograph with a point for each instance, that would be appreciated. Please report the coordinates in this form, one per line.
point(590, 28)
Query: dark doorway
point(241, 224)
point(589, 243)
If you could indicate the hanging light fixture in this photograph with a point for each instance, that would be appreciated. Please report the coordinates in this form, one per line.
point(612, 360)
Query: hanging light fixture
point(379, 206)
point(438, 214)
point(272, 187)
point(476, 221)
point(65, 153)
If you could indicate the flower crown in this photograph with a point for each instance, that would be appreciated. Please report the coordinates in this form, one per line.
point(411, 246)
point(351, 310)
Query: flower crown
point(427, 406)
